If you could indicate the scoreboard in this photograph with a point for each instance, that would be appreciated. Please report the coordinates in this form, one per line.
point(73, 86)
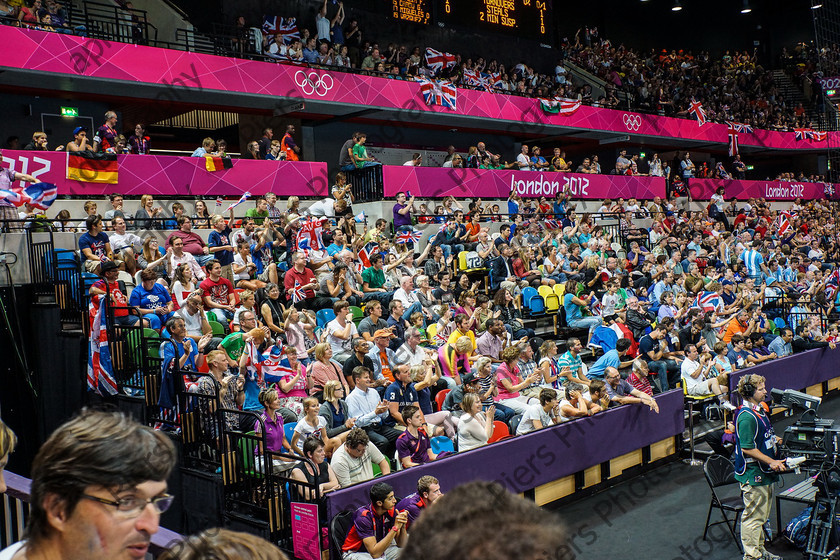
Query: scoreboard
point(529, 19)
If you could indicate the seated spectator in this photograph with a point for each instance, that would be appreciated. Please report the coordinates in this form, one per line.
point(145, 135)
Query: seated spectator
point(94, 471)
point(699, 381)
point(383, 358)
point(510, 383)
point(8, 441)
point(323, 369)
point(152, 300)
point(340, 332)
point(781, 345)
point(571, 364)
point(575, 404)
point(303, 280)
point(542, 415)
point(414, 446)
point(94, 245)
point(428, 492)
point(353, 462)
point(208, 145)
point(201, 217)
point(611, 358)
point(275, 435)
point(335, 410)
point(378, 530)
point(475, 426)
point(423, 377)
point(311, 425)
point(454, 361)
point(291, 387)
point(247, 302)
point(400, 394)
point(321, 475)
point(152, 258)
point(620, 391)
point(192, 242)
point(123, 314)
point(126, 246)
point(177, 257)
point(804, 340)
point(220, 382)
point(218, 293)
point(639, 377)
point(192, 312)
point(244, 268)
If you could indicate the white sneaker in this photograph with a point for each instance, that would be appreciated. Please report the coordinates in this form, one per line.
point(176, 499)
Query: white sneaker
point(729, 406)
point(770, 556)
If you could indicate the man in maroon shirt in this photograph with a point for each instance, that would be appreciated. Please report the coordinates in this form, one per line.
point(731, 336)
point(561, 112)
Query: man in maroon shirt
point(306, 281)
point(193, 243)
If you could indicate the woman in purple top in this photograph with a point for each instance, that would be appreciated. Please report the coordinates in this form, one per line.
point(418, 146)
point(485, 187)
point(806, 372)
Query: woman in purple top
point(275, 437)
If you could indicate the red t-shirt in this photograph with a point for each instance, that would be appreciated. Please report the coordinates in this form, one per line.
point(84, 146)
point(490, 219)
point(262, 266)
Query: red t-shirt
point(119, 300)
point(304, 278)
point(218, 291)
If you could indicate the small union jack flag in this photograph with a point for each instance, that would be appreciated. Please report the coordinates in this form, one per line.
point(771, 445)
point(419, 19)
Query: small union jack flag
point(39, 195)
point(298, 293)
point(809, 134)
point(242, 199)
point(551, 224)
point(707, 301)
point(219, 201)
point(412, 236)
point(366, 252)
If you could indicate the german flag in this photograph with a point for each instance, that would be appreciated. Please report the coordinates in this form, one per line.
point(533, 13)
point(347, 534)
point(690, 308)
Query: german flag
point(217, 163)
point(92, 167)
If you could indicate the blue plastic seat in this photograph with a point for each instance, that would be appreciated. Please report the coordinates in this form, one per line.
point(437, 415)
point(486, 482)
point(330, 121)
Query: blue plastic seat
point(441, 444)
point(324, 316)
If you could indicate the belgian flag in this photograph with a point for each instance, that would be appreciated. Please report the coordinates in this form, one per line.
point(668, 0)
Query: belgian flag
point(217, 163)
point(91, 167)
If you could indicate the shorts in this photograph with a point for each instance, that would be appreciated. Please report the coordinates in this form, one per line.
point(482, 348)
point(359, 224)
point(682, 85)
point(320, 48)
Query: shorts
point(125, 320)
point(264, 275)
point(700, 389)
point(92, 266)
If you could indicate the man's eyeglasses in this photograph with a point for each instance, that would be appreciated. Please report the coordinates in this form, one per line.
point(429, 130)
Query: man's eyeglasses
point(132, 507)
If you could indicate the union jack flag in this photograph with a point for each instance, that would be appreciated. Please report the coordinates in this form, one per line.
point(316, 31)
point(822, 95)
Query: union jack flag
point(242, 199)
point(287, 27)
point(309, 235)
point(740, 127)
point(100, 376)
point(733, 139)
point(298, 293)
point(483, 80)
point(412, 236)
point(809, 134)
point(551, 224)
point(833, 279)
point(707, 301)
point(437, 61)
point(219, 201)
point(783, 223)
point(366, 252)
point(828, 189)
point(39, 195)
point(698, 111)
point(441, 93)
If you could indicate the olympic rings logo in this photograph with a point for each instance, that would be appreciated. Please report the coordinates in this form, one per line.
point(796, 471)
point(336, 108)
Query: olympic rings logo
point(632, 122)
point(314, 83)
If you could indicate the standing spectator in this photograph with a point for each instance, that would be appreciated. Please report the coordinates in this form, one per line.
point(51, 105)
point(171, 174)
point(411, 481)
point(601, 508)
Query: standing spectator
point(287, 144)
point(687, 167)
point(106, 135)
point(139, 143)
point(7, 209)
point(220, 245)
point(346, 161)
point(739, 169)
point(265, 142)
point(402, 212)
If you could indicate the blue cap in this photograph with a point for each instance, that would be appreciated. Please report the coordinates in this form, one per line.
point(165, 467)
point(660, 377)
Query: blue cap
point(78, 129)
point(727, 283)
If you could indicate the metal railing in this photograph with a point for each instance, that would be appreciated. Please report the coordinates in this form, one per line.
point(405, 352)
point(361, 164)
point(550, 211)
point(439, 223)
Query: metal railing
point(116, 23)
point(368, 184)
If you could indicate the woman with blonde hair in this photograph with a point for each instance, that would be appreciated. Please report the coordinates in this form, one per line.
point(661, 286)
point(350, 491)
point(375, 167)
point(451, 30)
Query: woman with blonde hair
point(152, 258)
point(323, 369)
point(8, 441)
point(145, 217)
point(312, 425)
point(334, 410)
point(475, 426)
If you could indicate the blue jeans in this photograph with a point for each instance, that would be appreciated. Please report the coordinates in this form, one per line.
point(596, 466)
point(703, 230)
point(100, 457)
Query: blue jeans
point(662, 368)
point(412, 309)
point(590, 323)
point(157, 321)
point(383, 297)
point(204, 259)
point(503, 413)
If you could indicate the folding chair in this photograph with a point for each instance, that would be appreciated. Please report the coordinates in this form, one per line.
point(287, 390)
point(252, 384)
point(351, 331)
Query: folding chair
point(719, 472)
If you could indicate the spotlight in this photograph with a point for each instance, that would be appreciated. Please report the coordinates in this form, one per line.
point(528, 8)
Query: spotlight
point(746, 9)
point(677, 6)
point(817, 5)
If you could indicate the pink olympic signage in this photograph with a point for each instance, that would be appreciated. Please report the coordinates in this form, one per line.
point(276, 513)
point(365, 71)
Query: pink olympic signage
point(703, 189)
point(439, 182)
point(832, 82)
point(177, 176)
point(179, 74)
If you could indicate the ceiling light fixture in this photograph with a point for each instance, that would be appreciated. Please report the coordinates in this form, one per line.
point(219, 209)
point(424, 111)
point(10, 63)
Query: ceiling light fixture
point(746, 9)
point(677, 6)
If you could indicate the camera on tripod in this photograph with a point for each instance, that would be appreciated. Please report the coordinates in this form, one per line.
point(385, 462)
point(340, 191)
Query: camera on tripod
point(814, 438)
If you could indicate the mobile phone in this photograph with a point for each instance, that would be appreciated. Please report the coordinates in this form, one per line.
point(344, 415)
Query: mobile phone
point(408, 194)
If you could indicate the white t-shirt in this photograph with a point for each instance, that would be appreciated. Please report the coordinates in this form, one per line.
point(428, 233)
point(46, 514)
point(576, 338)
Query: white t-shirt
point(191, 322)
point(523, 163)
point(239, 261)
point(686, 369)
point(534, 412)
point(304, 429)
point(325, 207)
point(340, 345)
point(8, 552)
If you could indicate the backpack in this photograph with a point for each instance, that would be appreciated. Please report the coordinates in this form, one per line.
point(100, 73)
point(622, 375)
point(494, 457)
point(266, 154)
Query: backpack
point(797, 530)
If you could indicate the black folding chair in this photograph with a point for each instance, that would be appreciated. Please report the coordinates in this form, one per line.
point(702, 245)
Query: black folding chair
point(339, 527)
point(719, 472)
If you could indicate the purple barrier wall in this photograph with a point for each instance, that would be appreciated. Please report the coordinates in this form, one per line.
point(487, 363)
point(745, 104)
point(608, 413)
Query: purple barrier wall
point(528, 461)
point(183, 72)
point(178, 176)
point(795, 372)
point(497, 183)
point(703, 189)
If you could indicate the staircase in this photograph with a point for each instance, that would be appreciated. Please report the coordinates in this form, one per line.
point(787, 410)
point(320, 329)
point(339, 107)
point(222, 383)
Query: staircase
point(793, 96)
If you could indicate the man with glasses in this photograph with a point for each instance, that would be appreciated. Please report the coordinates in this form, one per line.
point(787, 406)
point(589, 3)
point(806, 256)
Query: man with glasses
point(621, 392)
point(98, 490)
point(353, 462)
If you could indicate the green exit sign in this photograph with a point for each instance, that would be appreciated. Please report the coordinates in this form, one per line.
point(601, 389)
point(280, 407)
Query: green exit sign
point(831, 92)
point(69, 111)
point(750, 167)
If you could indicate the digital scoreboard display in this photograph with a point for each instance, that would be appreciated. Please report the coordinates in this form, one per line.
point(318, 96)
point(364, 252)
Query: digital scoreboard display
point(529, 19)
point(525, 18)
point(417, 11)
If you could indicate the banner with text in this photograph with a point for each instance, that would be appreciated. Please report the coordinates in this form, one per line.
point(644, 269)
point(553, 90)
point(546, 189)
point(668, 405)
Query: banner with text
point(177, 176)
point(437, 182)
point(832, 82)
point(703, 189)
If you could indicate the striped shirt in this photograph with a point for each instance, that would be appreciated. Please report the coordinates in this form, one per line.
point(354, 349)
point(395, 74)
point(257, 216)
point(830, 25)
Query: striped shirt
point(752, 260)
